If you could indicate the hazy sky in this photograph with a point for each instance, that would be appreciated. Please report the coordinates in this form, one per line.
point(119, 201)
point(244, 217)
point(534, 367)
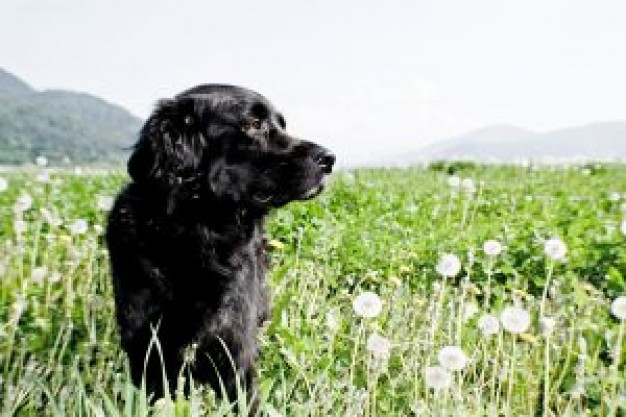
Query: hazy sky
point(365, 78)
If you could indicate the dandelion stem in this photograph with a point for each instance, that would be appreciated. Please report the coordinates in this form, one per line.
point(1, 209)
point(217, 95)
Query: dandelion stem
point(357, 341)
point(509, 394)
point(546, 377)
point(545, 289)
point(488, 286)
point(615, 368)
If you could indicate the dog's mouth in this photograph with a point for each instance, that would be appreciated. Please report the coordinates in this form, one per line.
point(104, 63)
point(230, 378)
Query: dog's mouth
point(271, 198)
point(313, 192)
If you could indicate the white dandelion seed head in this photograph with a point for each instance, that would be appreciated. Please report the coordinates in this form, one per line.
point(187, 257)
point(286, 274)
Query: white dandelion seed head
point(163, 404)
point(618, 307)
point(367, 304)
point(437, 378)
point(41, 160)
point(578, 390)
point(19, 306)
point(54, 277)
point(104, 202)
point(492, 248)
point(555, 249)
point(378, 345)
point(623, 227)
point(19, 226)
point(452, 358)
point(38, 274)
point(469, 310)
point(489, 325)
point(547, 325)
point(332, 320)
point(24, 203)
point(79, 227)
point(468, 185)
point(470, 257)
point(43, 176)
point(454, 181)
point(4, 184)
point(515, 319)
point(614, 197)
point(51, 218)
point(449, 265)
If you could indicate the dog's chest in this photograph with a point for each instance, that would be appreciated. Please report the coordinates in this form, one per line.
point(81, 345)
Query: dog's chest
point(228, 286)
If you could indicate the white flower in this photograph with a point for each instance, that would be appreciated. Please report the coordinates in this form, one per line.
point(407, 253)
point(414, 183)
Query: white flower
point(54, 277)
point(468, 185)
point(4, 184)
point(555, 249)
point(489, 325)
point(449, 265)
point(492, 248)
point(24, 202)
point(367, 305)
point(615, 197)
point(20, 226)
point(38, 274)
point(454, 181)
point(618, 307)
point(437, 377)
point(469, 310)
point(515, 319)
point(378, 345)
point(623, 227)
point(163, 406)
point(547, 325)
point(452, 358)
point(19, 306)
point(43, 176)
point(50, 218)
point(331, 320)
point(41, 160)
point(104, 202)
point(79, 227)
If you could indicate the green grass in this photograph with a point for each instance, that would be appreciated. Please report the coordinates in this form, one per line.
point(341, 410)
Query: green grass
point(382, 231)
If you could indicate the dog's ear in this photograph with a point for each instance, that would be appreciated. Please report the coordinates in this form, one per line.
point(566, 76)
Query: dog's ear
point(171, 143)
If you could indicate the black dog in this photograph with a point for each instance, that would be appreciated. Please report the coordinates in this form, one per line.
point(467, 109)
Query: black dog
point(186, 238)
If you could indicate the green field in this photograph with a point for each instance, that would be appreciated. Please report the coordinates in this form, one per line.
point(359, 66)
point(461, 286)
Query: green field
point(383, 232)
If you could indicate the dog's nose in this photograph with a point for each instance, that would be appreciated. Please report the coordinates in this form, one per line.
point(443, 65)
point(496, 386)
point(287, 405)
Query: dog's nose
point(325, 159)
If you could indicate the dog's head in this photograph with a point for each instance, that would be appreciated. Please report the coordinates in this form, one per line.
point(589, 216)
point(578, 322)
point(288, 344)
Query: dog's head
point(233, 142)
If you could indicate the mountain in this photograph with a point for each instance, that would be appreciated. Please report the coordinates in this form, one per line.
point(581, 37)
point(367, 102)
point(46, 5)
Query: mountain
point(505, 143)
point(11, 85)
point(60, 124)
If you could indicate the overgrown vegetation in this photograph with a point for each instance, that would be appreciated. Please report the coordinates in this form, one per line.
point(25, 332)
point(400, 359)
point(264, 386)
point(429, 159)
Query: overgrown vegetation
point(411, 239)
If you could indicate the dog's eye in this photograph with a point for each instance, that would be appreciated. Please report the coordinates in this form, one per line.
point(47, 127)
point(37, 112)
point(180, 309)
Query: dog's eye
point(252, 124)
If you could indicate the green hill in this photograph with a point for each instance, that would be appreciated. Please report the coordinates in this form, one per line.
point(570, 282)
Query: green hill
point(60, 124)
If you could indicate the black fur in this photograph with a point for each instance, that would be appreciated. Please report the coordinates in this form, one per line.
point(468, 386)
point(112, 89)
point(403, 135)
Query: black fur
point(186, 239)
